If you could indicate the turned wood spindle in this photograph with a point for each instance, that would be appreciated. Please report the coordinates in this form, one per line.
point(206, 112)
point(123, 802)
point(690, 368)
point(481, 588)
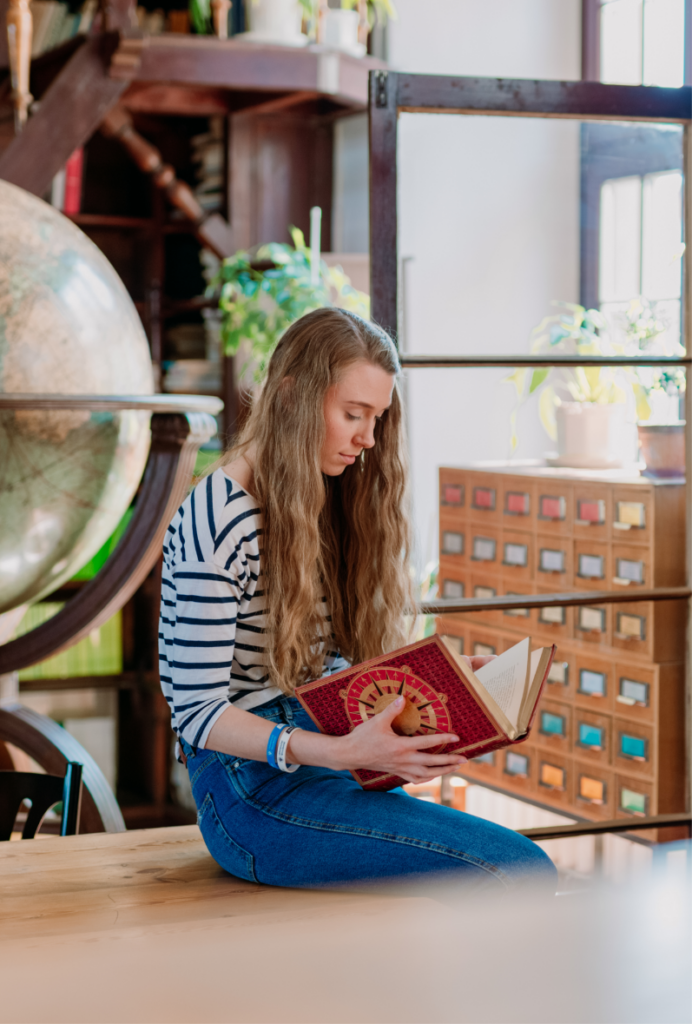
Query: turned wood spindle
point(363, 25)
point(219, 10)
point(19, 36)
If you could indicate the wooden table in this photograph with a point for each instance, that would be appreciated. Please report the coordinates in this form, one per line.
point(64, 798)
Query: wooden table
point(143, 926)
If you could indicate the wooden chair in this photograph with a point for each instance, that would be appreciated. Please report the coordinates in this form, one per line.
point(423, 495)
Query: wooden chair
point(44, 791)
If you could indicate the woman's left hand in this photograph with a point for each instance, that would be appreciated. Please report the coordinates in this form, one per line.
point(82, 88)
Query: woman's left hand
point(479, 660)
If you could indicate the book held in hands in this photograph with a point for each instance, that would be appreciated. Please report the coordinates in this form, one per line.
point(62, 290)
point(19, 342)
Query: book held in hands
point(487, 709)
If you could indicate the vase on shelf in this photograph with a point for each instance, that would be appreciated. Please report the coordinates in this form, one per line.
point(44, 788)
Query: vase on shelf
point(341, 31)
point(275, 22)
point(662, 447)
point(592, 435)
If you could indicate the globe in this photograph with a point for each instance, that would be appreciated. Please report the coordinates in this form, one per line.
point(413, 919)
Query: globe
point(67, 327)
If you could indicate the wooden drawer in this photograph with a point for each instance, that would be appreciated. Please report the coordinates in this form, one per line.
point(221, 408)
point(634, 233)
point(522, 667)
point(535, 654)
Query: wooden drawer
point(592, 511)
point(453, 579)
point(654, 629)
point(634, 797)
point(594, 683)
point(561, 682)
point(521, 620)
point(485, 585)
point(554, 778)
point(633, 747)
point(454, 633)
point(554, 624)
point(592, 565)
point(635, 692)
point(483, 498)
point(630, 567)
point(552, 727)
point(518, 502)
point(517, 556)
point(484, 547)
point(592, 736)
point(594, 623)
point(633, 518)
point(485, 769)
point(553, 562)
point(453, 492)
point(454, 540)
point(594, 790)
point(554, 508)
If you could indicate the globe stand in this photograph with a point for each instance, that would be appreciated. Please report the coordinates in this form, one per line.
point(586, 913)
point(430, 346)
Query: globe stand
point(179, 425)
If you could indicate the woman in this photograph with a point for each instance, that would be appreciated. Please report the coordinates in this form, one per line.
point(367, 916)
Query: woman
point(286, 563)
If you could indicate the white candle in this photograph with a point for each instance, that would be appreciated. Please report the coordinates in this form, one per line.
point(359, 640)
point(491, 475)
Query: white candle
point(315, 232)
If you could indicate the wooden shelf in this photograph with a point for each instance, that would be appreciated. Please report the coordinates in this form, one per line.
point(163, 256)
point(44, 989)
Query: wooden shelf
point(107, 220)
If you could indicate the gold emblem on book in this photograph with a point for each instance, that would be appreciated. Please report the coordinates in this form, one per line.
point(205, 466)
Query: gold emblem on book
point(424, 711)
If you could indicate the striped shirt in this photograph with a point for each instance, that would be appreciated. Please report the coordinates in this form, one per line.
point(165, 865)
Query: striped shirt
point(212, 649)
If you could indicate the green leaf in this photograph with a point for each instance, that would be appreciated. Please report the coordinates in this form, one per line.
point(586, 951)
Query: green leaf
point(537, 378)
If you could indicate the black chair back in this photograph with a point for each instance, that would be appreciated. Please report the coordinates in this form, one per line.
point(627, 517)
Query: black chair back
point(44, 791)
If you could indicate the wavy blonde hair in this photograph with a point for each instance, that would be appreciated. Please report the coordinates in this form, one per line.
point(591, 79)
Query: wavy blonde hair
point(346, 538)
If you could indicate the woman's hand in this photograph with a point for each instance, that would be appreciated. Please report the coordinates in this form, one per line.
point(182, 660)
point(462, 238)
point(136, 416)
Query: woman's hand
point(376, 746)
point(478, 660)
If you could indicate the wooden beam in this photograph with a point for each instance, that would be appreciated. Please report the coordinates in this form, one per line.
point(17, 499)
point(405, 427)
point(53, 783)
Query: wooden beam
point(594, 828)
point(169, 98)
point(384, 268)
point(70, 112)
point(591, 40)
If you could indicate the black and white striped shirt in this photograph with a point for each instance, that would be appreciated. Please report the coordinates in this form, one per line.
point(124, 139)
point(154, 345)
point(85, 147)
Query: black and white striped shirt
point(211, 636)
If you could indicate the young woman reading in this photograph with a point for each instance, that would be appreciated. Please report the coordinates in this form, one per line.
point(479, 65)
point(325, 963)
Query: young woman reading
point(289, 562)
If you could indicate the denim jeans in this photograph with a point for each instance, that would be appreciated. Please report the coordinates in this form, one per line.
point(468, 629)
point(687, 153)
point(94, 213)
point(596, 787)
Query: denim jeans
point(316, 827)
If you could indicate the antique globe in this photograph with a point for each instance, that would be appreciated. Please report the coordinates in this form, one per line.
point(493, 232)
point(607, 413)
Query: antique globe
point(67, 327)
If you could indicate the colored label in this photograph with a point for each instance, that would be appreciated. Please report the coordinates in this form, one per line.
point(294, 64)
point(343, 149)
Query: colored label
point(630, 512)
point(631, 690)
point(552, 776)
point(452, 494)
point(591, 511)
point(552, 616)
point(592, 620)
point(590, 736)
point(483, 497)
point(558, 671)
point(552, 508)
point(592, 790)
point(629, 570)
point(516, 503)
point(632, 746)
point(552, 725)
point(631, 625)
point(592, 682)
point(632, 802)
point(485, 758)
point(516, 764)
point(483, 650)
point(484, 592)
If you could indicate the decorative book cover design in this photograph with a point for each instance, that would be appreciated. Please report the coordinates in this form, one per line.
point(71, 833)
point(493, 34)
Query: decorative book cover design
point(440, 702)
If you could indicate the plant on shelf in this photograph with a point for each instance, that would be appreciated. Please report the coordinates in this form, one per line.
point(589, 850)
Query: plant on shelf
point(264, 291)
point(582, 408)
point(661, 389)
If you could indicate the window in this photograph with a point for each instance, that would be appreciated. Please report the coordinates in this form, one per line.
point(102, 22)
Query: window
point(643, 42)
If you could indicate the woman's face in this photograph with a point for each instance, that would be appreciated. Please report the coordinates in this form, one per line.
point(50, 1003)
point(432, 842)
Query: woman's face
point(351, 410)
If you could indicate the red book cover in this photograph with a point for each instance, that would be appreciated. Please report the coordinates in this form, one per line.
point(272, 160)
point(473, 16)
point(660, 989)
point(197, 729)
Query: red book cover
point(72, 202)
point(429, 675)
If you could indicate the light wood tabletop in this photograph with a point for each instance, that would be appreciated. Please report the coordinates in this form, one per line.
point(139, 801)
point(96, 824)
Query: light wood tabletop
point(144, 926)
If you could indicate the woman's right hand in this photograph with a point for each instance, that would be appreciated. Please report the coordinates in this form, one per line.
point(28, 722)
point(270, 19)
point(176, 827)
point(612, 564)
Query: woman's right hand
point(375, 745)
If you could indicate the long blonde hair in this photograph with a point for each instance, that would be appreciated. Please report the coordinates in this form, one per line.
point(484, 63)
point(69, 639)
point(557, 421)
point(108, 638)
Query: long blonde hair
point(346, 538)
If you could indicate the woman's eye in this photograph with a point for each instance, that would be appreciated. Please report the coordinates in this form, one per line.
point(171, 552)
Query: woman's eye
point(350, 416)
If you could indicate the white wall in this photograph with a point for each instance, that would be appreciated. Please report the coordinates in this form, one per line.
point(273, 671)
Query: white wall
point(489, 224)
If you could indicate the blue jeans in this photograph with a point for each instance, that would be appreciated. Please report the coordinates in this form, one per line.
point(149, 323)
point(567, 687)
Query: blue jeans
point(317, 827)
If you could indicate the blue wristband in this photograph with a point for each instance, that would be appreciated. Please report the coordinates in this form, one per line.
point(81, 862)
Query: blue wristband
point(272, 744)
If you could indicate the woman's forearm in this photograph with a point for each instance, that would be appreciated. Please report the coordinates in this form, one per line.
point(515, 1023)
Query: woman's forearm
point(242, 734)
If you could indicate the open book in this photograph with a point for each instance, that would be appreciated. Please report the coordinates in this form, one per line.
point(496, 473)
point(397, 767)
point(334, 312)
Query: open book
point(487, 709)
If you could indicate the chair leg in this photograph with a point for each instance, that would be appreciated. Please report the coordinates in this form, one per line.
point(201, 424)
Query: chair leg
point(71, 799)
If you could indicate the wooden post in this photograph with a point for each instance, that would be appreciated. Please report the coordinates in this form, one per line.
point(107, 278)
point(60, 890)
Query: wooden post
point(19, 35)
point(219, 10)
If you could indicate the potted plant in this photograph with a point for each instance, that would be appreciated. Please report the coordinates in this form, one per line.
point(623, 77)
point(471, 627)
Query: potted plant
point(263, 292)
point(583, 409)
point(346, 27)
point(660, 426)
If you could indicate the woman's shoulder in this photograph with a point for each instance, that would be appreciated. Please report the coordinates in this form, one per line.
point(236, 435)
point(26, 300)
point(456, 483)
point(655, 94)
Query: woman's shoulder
point(219, 522)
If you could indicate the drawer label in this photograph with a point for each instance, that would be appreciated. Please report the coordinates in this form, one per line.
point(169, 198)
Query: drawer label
point(552, 725)
point(592, 682)
point(552, 616)
point(516, 504)
point(452, 494)
point(633, 747)
point(456, 643)
point(484, 497)
point(633, 692)
point(591, 620)
point(550, 560)
point(483, 549)
point(558, 672)
point(485, 592)
point(551, 508)
point(516, 764)
point(592, 790)
point(552, 776)
point(453, 589)
point(630, 627)
point(591, 736)
point(521, 613)
point(633, 802)
point(592, 512)
point(626, 569)
point(452, 543)
point(484, 758)
point(516, 554)
point(591, 567)
point(483, 650)
point(630, 513)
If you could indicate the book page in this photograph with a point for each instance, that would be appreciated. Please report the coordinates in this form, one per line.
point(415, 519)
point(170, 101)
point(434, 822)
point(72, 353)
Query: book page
point(538, 666)
point(505, 679)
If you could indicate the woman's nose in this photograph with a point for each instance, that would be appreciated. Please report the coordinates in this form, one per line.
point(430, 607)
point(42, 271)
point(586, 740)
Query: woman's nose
point(366, 435)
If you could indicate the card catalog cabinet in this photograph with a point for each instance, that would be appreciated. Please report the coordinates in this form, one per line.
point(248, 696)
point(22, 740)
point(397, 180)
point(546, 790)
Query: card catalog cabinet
point(608, 737)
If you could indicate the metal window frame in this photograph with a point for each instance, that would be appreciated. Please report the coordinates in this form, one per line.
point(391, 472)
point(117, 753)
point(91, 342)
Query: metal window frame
point(392, 93)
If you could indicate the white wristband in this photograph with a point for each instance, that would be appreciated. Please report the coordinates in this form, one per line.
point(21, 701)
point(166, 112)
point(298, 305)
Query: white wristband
point(282, 747)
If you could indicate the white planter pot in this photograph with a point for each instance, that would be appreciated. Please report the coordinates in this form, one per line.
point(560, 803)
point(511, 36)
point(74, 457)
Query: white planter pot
point(275, 21)
point(591, 436)
point(341, 31)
